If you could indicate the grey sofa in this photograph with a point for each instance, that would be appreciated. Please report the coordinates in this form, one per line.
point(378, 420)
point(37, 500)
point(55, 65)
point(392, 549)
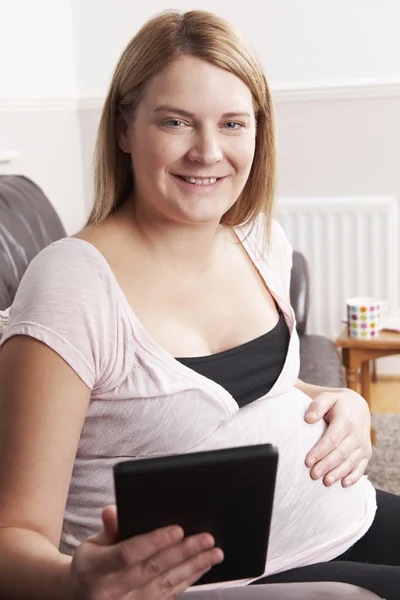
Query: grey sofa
point(319, 359)
point(28, 223)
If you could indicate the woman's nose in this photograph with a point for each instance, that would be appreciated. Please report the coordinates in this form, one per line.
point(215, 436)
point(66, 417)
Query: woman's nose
point(206, 148)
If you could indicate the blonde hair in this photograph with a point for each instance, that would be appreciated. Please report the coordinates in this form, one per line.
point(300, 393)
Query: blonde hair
point(160, 41)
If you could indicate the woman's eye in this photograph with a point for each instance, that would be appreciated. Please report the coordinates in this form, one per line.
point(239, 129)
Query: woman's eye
point(175, 123)
point(233, 126)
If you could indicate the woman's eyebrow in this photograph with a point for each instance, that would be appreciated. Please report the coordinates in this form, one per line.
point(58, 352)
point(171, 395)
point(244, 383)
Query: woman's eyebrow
point(185, 113)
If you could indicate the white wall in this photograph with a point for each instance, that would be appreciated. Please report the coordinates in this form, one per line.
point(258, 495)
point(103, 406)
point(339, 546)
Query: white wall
point(38, 91)
point(68, 48)
point(36, 50)
point(298, 41)
point(54, 52)
point(49, 143)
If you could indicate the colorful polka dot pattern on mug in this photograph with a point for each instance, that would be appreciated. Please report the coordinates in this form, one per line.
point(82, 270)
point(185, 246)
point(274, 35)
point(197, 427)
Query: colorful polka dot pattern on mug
point(363, 316)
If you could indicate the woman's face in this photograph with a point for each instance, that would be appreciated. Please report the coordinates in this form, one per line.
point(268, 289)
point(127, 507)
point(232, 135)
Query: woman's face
point(192, 141)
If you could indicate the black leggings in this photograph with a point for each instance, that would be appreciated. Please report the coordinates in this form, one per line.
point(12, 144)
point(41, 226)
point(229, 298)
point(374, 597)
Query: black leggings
point(372, 563)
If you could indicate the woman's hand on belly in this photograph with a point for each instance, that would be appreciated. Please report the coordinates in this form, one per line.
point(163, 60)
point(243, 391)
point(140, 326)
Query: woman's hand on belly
point(344, 450)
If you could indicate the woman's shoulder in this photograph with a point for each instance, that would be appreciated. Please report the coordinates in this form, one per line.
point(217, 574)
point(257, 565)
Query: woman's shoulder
point(67, 299)
point(70, 271)
point(71, 259)
point(65, 250)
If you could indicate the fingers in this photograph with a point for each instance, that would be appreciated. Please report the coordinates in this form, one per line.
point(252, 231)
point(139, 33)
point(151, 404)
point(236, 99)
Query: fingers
point(164, 574)
point(109, 534)
point(140, 548)
point(333, 456)
point(331, 439)
point(341, 467)
point(185, 575)
point(343, 464)
point(344, 449)
point(110, 523)
point(156, 565)
point(159, 564)
point(320, 406)
point(189, 548)
point(174, 581)
point(349, 472)
point(356, 473)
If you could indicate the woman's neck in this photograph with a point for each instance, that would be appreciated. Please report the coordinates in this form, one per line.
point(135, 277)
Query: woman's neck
point(182, 245)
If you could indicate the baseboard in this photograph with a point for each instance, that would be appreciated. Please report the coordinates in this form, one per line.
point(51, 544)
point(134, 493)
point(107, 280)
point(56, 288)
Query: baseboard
point(388, 366)
point(386, 377)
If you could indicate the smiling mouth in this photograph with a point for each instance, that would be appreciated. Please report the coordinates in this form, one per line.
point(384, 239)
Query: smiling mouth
point(199, 180)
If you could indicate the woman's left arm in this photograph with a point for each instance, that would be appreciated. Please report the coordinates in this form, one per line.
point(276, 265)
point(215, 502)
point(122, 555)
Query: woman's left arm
point(343, 452)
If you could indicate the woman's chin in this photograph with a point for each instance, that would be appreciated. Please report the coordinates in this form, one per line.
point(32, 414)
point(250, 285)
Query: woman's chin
point(209, 219)
point(201, 215)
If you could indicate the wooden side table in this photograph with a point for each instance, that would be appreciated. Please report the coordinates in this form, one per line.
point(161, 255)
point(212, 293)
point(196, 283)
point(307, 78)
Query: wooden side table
point(356, 354)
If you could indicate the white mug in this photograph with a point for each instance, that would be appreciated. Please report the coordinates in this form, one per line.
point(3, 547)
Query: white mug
point(364, 317)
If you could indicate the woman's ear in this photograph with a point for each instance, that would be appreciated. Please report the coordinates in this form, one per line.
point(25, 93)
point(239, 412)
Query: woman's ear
point(123, 134)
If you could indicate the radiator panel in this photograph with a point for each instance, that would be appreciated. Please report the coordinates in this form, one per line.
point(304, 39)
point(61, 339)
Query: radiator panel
point(351, 245)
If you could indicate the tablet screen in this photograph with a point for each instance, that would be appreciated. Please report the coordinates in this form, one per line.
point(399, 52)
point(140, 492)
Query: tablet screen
point(228, 493)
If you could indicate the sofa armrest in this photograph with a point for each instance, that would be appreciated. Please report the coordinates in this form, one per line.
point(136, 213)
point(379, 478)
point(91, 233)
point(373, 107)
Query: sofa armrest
point(300, 291)
point(28, 223)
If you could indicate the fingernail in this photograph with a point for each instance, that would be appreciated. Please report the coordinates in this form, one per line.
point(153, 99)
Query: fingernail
point(317, 473)
point(311, 415)
point(207, 541)
point(347, 481)
point(330, 480)
point(176, 533)
point(311, 461)
point(217, 555)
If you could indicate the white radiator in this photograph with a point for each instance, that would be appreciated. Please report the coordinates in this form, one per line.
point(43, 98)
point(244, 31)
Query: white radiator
point(351, 245)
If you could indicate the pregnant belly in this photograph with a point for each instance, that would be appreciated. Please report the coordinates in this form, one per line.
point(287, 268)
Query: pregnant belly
point(306, 514)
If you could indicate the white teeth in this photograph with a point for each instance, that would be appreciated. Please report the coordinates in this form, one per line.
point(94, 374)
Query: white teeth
point(206, 181)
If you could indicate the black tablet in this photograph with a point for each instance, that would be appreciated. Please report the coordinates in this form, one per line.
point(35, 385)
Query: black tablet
point(228, 493)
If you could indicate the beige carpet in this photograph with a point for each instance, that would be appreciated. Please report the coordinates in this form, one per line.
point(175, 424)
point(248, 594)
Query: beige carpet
point(384, 467)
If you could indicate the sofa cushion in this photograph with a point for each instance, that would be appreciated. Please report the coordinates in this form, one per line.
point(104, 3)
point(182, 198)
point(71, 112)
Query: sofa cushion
point(28, 223)
point(319, 362)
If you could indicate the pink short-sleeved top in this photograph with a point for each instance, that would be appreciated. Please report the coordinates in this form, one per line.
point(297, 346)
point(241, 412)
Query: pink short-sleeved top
point(145, 403)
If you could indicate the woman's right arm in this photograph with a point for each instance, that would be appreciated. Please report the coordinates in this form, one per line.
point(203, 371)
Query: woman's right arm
point(43, 404)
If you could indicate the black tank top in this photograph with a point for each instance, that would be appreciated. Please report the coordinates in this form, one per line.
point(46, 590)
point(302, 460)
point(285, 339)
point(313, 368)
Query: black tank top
point(250, 370)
